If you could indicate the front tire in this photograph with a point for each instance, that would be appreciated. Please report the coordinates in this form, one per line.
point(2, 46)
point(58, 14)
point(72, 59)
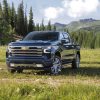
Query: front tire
point(19, 70)
point(11, 70)
point(76, 62)
point(57, 66)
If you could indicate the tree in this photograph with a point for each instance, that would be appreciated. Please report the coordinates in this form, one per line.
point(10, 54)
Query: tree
point(37, 27)
point(1, 18)
point(13, 16)
point(49, 26)
point(25, 24)
point(20, 20)
point(4, 25)
point(54, 28)
point(31, 26)
point(0, 11)
point(42, 27)
point(5, 11)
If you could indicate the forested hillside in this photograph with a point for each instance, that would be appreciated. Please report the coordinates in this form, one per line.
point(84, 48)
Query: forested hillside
point(87, 39)
point(85, 32)
point(14, 23)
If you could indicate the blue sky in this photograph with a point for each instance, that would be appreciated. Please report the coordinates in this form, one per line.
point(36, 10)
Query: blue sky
point(63, 11)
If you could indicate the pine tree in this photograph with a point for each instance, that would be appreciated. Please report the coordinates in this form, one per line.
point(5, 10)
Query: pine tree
point(54, 28)
point(0, 11)
point(13, 16)
point(5, 11)
point(31, 26)
point(1, 19)
point(4, 25)
point(25, 24)
point(9, 13)
point(37, 27)
point(49, 26)
point(16, 22)
point(20, 20)
point(42, 27)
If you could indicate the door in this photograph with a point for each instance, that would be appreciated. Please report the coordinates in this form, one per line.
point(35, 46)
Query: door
point(67, 49)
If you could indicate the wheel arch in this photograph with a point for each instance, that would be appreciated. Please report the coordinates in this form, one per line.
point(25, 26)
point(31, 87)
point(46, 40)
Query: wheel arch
point(78, 52)
point(58, 54)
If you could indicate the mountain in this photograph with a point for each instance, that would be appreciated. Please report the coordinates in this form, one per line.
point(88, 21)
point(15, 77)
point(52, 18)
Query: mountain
point(87, 24)
point(83, 24)
point(60, 26)
point(88, 20)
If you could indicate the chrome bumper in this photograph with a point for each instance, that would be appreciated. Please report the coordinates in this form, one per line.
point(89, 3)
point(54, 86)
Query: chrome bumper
point(25, 65)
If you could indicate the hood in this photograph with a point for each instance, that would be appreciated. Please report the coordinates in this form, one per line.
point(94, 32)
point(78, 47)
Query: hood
point(30, 43)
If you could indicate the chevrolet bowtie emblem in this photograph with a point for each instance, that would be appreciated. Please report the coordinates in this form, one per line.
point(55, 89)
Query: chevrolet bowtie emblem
point(25, 48)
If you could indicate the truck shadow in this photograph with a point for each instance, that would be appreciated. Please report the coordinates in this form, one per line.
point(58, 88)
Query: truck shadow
point(82, 71)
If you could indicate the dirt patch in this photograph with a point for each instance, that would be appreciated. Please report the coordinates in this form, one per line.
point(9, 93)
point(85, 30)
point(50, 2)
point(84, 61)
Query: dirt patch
point(53, 82)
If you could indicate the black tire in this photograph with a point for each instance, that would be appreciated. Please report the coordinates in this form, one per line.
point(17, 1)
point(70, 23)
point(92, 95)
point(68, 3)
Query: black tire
point(11, 70)
point(76, 62)
point(19, 70)
point(57, 66)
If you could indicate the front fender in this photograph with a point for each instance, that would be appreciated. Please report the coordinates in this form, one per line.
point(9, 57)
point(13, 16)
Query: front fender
point(54, 50)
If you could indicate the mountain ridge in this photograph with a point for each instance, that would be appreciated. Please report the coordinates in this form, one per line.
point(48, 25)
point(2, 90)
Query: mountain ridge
point(84, 24)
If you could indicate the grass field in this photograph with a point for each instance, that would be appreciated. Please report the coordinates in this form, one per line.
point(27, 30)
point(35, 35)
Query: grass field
point(81, 84)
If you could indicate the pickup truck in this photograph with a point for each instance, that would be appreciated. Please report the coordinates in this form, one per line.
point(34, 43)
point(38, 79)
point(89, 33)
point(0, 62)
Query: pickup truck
point(43, 50)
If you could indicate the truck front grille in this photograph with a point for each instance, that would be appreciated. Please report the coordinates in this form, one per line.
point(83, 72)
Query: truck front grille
point(26, 51)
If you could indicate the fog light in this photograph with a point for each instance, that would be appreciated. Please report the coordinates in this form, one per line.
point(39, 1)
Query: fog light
point(12, 65)
point(39, 65)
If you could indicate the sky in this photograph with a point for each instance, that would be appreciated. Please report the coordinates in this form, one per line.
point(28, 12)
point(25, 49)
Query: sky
point(62, 11)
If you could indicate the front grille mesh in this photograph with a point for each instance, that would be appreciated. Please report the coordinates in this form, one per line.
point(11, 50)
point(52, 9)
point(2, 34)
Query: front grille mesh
point(26, 51)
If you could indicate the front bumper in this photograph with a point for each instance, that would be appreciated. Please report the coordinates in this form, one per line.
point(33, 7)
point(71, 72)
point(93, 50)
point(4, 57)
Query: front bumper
point(29, 63)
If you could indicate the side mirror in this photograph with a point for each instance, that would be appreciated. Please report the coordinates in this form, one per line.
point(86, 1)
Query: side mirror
point(64, 41)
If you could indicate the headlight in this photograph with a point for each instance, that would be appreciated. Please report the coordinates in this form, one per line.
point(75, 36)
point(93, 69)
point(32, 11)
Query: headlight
point(9, 49)
point(47, 49)
point(8, 52)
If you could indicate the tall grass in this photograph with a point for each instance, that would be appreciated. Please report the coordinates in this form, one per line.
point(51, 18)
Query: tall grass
point(2, 53)
point(45, 92)
point(81, 84)
point(90, 56)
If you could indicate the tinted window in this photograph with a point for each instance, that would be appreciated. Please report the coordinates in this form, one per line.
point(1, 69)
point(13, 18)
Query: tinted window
point(61, 36)
point(44, 36)
point(65, 35)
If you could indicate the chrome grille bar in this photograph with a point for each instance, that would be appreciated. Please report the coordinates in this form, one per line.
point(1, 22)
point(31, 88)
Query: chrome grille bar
point(26, 51)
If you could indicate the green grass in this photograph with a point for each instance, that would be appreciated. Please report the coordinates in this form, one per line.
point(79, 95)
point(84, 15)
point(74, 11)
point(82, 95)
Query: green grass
point(81, 84)
point(2, 53)
point(46, 92)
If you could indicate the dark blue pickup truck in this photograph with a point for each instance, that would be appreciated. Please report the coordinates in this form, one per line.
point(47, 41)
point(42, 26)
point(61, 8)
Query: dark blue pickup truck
point(43, 50)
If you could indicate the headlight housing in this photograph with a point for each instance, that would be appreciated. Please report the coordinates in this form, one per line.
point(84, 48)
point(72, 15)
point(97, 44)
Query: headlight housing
point(47, 49)
point(9, 49)
point(8, 52)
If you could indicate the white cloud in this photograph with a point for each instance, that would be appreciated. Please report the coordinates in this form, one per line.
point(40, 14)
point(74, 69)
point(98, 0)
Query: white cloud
point(52, 12)
point(72, 8)
point(79, 8)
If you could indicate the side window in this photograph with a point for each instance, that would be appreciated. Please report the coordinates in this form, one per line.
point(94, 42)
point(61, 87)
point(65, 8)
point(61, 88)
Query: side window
point(61, 36)
point(66, 36)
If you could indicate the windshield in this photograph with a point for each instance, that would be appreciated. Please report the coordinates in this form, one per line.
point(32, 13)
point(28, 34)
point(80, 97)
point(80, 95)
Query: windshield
point(42, 36)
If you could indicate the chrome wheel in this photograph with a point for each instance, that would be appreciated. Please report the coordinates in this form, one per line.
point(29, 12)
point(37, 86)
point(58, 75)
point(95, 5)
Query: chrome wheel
point(57, 66)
